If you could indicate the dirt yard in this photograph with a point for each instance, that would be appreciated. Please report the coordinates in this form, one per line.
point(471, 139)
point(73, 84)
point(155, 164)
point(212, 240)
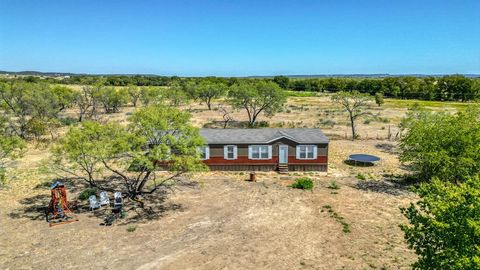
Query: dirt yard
point(221, 221)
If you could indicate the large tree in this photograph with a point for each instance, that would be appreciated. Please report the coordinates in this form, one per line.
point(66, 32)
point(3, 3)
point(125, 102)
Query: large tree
point(156, 136)
point(257, 97)
point(354, 103)
point(442, 145)
point(444, 229)
point(206, 91)
point(282, 81)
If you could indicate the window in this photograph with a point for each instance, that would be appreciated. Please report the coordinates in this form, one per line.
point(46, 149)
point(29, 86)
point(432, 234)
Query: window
point(306, 151)
point(260, 152)
point(230, 152)
point(204, 152)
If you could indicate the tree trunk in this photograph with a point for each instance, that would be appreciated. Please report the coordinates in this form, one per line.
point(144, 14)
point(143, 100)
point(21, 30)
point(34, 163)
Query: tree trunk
point(352, 123)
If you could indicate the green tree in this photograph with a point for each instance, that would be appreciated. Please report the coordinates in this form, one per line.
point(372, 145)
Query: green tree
point(444, 229)
point(135, 93)
point(442, 145)
point(257, 97)
point(354, 103)
point(156, 136)
point(176, 95)
point(379, 99)
point(112, 98)
point(151, 94)
point(21, 102)
point(206, 91)
point(282, 81)
point(11, 147)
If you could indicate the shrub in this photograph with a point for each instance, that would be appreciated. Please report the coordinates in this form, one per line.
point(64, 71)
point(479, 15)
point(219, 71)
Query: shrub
point(131, 228)
point(86, 193)
point(444, 227)
point(361, 176)
point(333, 185)
point(303, 183)
point(442, 145)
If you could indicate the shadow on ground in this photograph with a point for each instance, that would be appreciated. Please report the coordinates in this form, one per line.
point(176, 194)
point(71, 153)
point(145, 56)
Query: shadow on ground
point(395, 185)
point(388, 148)
point(155, 205)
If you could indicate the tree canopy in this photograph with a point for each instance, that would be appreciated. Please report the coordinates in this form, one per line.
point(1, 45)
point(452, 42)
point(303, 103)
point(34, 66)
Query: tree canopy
point(156, 136)
point(257, 97)
point(354, 103)
point(444, 227)
point(442, 145)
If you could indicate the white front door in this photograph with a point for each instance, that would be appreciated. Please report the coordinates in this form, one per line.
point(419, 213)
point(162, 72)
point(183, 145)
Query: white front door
point(283, 154)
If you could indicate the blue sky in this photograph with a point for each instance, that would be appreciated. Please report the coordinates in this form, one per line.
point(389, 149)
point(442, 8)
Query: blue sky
point(238, 38)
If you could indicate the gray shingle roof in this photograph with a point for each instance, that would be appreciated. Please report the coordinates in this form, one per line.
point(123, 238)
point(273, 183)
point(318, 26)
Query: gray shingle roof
point(262, 135)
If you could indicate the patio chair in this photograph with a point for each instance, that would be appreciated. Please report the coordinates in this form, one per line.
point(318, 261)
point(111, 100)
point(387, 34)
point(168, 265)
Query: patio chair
point(94, 203)
point(104, 200)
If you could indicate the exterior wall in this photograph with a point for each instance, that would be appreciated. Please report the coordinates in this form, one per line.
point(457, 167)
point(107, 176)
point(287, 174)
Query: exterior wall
point(242, 163)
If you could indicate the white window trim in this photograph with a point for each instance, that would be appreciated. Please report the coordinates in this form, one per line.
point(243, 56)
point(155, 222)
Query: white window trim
point(315, 148)
point(207, 152)
point(225, 152)
point(269, 151)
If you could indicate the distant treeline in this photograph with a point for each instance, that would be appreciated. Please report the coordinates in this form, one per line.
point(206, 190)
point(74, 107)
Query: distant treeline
point(446, 88)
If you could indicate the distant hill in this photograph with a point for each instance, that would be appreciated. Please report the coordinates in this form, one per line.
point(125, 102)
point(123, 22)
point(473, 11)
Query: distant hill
point(380, 75)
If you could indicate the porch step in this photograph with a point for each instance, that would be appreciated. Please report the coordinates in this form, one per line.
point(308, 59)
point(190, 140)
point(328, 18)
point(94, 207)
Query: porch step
point(283, 168)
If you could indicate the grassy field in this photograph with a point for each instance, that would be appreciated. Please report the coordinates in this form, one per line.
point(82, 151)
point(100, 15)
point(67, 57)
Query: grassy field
point(217, 220)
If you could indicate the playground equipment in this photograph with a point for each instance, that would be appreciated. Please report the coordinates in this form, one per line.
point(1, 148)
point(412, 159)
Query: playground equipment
point(58, 212)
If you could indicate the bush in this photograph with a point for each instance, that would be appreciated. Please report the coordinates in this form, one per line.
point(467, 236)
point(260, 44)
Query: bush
point(333, 185)
point(361, 176)
point(67, 121)
point(444, 227)
point(131, 228)
point(442, 145)
point(303, 183)
point(86, 193)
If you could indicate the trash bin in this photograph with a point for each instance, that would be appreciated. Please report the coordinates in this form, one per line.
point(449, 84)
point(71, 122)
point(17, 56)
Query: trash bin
point(253, 176)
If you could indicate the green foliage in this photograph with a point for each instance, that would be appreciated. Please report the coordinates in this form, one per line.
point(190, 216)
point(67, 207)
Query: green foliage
point(333, 185)
point(282, 81)
point(206, 91)
point(361, 176)
point(257, 97)
point(21, 102)
point(131, 228)
point(303, 183)
point(379, 99)
point(156, 136)
point(337, 217)
point(150, 95)
point(176, 95)
point(135, 94)
point(442, 145)
point(112, 98)
point(86, 193)
point(444, 227)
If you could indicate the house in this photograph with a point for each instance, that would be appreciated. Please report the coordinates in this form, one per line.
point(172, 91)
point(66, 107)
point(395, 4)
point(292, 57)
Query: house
point(265, 149)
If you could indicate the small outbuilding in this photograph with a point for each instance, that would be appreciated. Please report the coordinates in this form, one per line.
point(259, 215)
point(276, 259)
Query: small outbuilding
point(265, 149)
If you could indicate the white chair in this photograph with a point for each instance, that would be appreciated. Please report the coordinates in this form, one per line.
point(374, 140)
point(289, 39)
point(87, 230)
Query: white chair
point(118, 200)
point(104, 200)
point(94, 203)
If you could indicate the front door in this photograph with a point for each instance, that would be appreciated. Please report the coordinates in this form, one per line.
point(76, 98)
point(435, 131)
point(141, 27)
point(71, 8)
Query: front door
point(283, 154)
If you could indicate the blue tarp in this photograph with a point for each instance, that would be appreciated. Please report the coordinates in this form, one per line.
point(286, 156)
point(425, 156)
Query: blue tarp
point(363, 158)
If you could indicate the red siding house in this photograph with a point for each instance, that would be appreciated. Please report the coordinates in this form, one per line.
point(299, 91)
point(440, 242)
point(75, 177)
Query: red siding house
point(265, 149)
